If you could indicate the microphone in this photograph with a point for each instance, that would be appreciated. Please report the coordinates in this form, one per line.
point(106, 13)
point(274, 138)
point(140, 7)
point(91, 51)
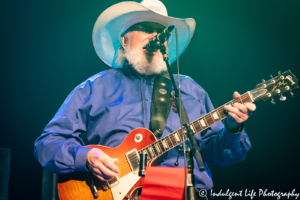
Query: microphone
point(154, 43)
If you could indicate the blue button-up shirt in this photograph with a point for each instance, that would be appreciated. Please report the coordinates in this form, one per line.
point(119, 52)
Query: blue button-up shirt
point(110, 104)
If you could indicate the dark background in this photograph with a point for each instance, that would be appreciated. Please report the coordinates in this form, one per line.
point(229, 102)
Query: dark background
point(46, 50)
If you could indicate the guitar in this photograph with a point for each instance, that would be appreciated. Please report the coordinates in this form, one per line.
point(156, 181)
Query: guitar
point(83, 186)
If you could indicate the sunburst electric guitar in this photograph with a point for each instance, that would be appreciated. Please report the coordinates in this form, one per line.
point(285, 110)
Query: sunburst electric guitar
point(83, 186)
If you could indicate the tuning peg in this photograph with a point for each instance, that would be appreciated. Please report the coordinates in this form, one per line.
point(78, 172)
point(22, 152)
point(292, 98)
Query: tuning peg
point(264, 83)
point(282, 98)
point(292, 94)
point(273, 102)
point(273, 81)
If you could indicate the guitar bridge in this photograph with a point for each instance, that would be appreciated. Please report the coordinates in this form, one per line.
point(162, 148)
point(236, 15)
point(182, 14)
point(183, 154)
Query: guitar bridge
point(133, 159)
point(114, 181)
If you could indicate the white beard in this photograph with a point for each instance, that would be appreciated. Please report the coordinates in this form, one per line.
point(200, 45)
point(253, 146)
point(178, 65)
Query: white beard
point(143, 64)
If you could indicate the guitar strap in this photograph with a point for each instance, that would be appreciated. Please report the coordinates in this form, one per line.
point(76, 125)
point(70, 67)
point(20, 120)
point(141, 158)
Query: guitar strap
point(161, 104)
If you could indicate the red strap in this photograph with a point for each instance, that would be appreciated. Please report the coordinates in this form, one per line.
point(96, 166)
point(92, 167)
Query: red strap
point(163, 183)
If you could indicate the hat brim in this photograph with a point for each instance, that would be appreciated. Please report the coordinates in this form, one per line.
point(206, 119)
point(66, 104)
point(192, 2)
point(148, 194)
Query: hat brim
point(116, 19)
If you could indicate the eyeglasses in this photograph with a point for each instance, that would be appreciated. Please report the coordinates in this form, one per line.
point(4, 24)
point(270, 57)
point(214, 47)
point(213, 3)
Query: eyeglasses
point(147, 27)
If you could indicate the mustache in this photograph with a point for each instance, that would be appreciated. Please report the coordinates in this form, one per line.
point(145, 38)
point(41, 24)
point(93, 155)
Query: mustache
point(143, 44)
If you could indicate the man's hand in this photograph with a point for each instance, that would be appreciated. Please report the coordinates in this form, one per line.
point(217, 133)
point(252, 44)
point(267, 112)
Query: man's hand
point(101, 165)
point(238, 113)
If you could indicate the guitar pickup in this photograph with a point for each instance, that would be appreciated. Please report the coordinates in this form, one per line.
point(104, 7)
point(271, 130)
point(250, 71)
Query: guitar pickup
point(133, 159)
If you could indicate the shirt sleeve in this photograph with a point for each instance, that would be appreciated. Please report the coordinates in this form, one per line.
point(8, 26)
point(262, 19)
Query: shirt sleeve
point(218, 145)
point(60, 148)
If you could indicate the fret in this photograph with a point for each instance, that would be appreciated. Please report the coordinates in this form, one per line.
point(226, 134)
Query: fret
point(250, 97)
point(151, 151)
point(197, 126)
point(209, 121)
point(184, 135)
point(173, 140)
point(241, 100)
point(164, 143)
point(180, 135)
point(211, 117)
point(177, 138)
point(157, 148)
point(148, 152)
point(154, 149)
point(169, 141)
point(216, 115)
point(193, 127)
point(159, 142)
point(203, 123)
point(222, 114)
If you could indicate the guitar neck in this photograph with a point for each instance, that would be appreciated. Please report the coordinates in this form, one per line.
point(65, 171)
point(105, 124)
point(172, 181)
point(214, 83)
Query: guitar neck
point(172, 140)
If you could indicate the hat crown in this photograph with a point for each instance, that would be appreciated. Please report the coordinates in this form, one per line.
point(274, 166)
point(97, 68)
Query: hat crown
point(156, 6)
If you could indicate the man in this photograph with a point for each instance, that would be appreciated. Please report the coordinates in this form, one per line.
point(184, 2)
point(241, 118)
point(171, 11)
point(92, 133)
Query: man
point(112, 103)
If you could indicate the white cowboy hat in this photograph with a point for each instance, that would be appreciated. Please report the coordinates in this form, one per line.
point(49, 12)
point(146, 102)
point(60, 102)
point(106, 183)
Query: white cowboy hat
point(116, 19)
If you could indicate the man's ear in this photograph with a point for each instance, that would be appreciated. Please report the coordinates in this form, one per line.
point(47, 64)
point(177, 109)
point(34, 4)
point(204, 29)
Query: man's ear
point(124, 42)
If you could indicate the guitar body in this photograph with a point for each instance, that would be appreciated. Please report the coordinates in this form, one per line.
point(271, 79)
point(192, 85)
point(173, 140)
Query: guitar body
point(75, 186)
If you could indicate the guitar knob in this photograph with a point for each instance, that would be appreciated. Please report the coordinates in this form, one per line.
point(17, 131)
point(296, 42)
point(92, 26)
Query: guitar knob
point(282, 98)
point(273, 102)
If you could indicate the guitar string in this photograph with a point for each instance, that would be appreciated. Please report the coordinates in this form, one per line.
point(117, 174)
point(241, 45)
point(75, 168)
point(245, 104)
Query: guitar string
point(207, 116)
point(121, 163)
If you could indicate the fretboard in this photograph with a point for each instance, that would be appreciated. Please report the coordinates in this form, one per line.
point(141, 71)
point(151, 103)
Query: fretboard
point(172, 140)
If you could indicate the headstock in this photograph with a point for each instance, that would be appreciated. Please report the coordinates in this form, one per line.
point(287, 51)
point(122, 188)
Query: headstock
point(284, 82)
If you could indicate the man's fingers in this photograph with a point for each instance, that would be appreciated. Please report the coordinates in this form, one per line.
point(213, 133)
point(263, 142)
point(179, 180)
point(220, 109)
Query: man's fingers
point(240, 108)
point(236, 95)
point(237, 118)
point(113, 167)
point(107, 172)
point(236, 113)
point(250, 106)
point(101, 165)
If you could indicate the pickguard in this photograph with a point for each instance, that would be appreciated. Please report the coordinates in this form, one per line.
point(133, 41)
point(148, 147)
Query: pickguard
point(126, 183)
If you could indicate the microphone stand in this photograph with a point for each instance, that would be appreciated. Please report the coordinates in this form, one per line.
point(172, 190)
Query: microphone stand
point(184, 120)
